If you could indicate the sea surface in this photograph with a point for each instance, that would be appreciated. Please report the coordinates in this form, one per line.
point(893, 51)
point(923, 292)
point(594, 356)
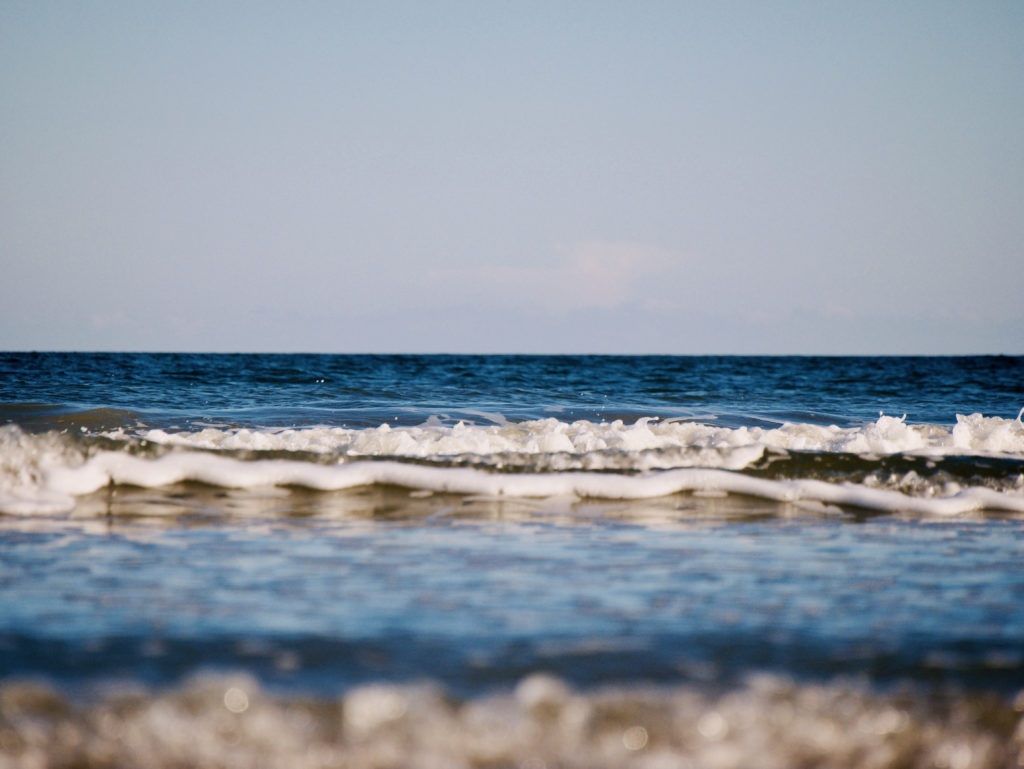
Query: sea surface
point(511, 561)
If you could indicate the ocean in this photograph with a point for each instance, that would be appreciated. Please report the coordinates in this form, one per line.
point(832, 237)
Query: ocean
point(511, 561)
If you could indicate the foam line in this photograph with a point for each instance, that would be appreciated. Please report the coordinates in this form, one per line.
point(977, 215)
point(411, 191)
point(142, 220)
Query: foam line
point(972, 434)
point(111, 467)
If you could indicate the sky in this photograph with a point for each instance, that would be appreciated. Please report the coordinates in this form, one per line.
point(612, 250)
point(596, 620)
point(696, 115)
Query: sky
point(725, 177)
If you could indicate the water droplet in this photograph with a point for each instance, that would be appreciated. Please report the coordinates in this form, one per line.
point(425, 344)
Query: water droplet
point(236, 700)
point(635, 738)
point(712, 726)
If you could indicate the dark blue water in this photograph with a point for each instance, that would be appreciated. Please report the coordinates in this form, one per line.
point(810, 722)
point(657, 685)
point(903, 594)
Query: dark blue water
point(355, 390)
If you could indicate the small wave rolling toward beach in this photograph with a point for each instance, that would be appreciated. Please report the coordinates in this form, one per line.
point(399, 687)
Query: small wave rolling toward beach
point(886, 465)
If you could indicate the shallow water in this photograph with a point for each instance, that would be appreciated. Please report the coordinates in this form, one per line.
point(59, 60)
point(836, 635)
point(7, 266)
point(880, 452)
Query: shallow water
point(492, 589)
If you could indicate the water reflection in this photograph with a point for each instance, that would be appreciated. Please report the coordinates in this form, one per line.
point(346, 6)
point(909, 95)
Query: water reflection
point(127, 509)
point(302, 586)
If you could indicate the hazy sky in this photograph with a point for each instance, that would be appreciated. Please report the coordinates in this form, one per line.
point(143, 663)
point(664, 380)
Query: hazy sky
point(678, 177)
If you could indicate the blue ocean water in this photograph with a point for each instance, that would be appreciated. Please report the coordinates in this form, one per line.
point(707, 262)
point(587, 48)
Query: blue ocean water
point(365, 390)
point(325, 523)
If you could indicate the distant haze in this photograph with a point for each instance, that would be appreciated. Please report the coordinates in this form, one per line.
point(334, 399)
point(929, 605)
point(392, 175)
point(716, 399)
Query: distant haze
point(706, 177)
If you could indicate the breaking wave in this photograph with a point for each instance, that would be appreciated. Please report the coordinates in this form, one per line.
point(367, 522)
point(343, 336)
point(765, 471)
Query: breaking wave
point(886, 465)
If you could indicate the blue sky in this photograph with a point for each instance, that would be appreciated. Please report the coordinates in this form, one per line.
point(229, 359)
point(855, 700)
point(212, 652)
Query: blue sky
point(714, 177)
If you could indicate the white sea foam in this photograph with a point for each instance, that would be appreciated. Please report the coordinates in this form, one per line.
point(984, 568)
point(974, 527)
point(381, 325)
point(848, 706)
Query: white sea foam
point(119, 468)
point(697, 442)
point(24, 460)
point(765, 721)
point(44, 474)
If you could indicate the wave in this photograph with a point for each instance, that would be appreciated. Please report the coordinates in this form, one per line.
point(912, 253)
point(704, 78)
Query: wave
point(41, 417)
point(886, 465)
point(973, 434)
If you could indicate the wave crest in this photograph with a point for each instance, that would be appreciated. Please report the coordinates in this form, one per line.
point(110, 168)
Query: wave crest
point(974, 434)
point(44, 473)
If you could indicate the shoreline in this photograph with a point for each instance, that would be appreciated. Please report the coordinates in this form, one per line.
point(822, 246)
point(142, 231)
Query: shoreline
point(540, 721)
